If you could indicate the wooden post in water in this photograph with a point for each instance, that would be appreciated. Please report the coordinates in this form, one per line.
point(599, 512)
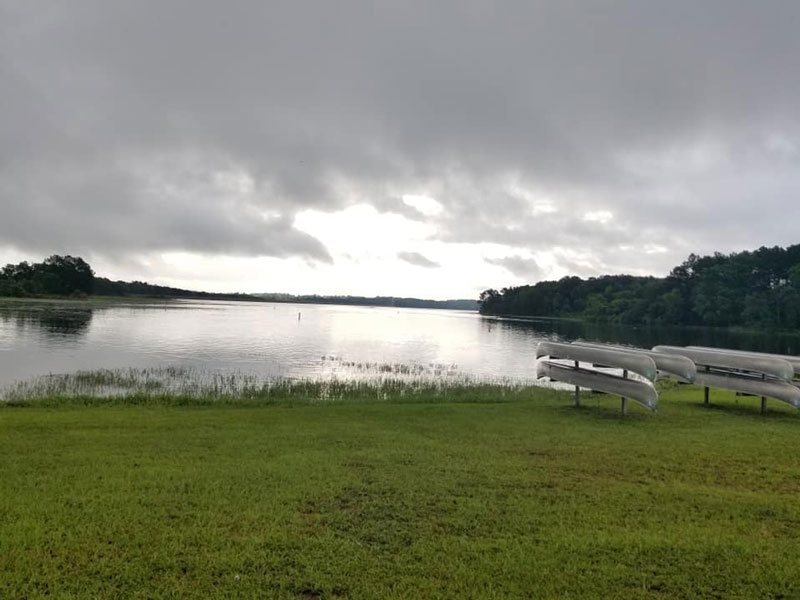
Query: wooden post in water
point(577, 390)
point(624, 399)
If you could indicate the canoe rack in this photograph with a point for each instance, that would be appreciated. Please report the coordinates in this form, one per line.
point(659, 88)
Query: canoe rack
point(641, 391)
point(746, 373)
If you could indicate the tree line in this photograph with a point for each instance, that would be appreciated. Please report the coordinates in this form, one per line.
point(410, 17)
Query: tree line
point(72, 276)
point(107, 287)
point(390, 301)
point(56, 275)
point(759, 289)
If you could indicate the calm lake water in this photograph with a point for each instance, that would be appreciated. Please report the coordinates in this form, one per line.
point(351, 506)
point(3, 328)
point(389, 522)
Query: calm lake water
point(269, 340)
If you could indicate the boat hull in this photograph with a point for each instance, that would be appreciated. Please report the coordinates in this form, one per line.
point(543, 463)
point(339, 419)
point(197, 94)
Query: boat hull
point(792, 360)
point(680, 367)
point(643, 365)
point(639, 391)
point(779, 390)
point(772, 367)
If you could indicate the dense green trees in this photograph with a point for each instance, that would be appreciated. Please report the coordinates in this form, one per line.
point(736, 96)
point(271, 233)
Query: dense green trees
point(57, 275)
point(72, 276)
point(760, 288)
point(106, 287)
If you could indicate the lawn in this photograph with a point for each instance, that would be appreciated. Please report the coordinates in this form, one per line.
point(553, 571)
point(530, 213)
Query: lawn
point(518, 495)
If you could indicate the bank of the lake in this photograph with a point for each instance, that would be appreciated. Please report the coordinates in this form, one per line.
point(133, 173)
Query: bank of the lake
point(513, 494)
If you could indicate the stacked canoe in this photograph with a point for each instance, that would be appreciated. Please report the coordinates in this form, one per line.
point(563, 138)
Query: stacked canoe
point(747, 373)
point(643, 364)
point(667, 365)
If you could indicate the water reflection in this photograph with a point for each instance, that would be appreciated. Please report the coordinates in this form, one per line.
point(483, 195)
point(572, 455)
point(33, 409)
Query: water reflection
point(52, 320)
point(647, 337)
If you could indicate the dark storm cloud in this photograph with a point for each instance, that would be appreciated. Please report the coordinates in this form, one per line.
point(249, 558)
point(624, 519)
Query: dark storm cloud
point(150, 126)
point(417, 259)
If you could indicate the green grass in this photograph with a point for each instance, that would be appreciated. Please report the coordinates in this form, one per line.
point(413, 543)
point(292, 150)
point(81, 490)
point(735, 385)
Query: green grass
point(504, 493)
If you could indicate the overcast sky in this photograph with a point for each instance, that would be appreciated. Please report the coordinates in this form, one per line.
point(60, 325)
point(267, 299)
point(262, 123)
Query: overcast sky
point(428, 149)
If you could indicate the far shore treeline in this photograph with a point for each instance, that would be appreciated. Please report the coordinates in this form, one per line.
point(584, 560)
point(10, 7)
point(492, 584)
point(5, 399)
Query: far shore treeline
point(69, 276)
point(754, 289)
point(73, 277)
point(393, 301)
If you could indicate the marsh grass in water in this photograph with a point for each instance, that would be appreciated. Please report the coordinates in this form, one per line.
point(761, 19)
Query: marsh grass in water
point(187, 386)
point(402, 369)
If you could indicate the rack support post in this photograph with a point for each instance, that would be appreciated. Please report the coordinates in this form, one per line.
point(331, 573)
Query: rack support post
point(624, 400)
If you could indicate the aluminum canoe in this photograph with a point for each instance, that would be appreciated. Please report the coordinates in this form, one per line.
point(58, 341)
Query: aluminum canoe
point(643, 365)
point(773, 367)
point(679, 367)
point(640, 391)
point(779, 390)
point(792, 360)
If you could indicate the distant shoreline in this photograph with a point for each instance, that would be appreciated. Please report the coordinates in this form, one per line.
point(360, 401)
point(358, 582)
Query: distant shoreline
point(378, 302)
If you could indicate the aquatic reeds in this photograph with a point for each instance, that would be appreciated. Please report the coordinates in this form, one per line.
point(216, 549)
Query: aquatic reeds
point(187, 385)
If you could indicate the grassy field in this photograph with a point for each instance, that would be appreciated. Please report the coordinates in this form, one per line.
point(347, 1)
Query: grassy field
point(483, 493)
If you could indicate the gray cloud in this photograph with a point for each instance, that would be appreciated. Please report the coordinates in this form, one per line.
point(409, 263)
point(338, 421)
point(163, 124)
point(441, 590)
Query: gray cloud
point(526, 268)
point(417, 259)
point(137, 127)
point(81, 210)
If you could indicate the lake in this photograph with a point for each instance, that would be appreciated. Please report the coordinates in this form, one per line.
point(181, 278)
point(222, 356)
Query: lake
point(306, 341)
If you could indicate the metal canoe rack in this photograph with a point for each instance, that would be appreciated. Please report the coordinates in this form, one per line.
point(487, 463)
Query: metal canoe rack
point(747, 373)
point(642, 392)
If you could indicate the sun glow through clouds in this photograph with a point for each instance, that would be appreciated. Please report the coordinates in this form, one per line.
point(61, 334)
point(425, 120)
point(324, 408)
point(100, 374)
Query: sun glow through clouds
point(428, 206)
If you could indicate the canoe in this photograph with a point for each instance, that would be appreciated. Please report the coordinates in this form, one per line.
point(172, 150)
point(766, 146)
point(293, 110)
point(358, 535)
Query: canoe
point(679, 367)
point(779, 390)
point(792, 360)
point(640, 391)
point(773, 367)
point(643, 365)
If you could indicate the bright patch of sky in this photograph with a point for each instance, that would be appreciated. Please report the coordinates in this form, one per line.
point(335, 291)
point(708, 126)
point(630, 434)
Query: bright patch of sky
point(424, 204)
